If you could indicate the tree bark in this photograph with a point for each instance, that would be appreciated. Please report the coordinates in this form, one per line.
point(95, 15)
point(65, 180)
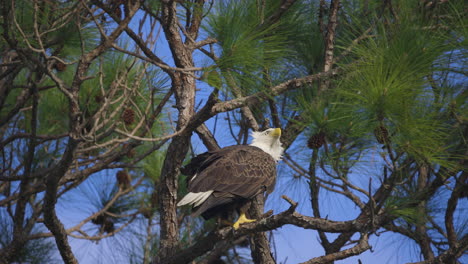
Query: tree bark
point(424, 240)
point(183, 86)
point(330, 42)
point(259, 244)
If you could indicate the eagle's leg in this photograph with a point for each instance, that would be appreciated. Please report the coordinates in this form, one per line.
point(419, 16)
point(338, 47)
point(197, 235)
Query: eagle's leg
point(225, 219)
point(223, 222)
point(242, 220)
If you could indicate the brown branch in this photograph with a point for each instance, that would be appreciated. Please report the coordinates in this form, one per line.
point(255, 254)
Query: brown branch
point(201, 43)
point(289, 216)
point(450, 255)
point(208, 242)
point(285, 5)
point(213, 106)
point(153, 59)
point(246, 111)
point(292, 84)
point(322, 7)
point(8, 74)
point(346, 191)
point(50, 217)
point(76, 177)
point(207, 137)
point(329, 41)
point(183, 86)
point(451, 206)
point(55, 176)
point(195, 22)
point(77, 227)
point(348, 50)
point(421, 229)
point(259, 244)
point(220, 249)
point(20, 101)
point(314, 188)
point(40, 138)
point(19, 232)
point(362, 246)
point(379, 197)
point(274, 113)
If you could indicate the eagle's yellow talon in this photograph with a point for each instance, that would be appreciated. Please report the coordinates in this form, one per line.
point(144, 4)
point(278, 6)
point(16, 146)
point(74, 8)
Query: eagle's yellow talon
point(242, 220)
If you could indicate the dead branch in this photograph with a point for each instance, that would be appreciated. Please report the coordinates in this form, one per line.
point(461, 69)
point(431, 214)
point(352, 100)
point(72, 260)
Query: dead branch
point(362, 246)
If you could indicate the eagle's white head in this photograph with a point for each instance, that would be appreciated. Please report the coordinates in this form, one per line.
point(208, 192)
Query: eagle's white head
point(268, 141)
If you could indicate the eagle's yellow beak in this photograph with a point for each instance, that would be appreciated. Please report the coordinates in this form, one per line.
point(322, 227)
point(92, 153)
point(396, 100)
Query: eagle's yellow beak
point(276, 132)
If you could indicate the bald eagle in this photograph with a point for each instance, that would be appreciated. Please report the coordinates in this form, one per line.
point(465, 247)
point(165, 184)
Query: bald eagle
point(229, 178)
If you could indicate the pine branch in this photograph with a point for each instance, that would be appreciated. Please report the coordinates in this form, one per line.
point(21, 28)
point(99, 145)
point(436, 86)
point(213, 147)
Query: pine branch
point(329, 41)
point(259, 245)
point(363, 245)
point(246, 112)
point(285, 5)
point(184, 91)
point(289, 216)
point(50, 217)
point(451, 206)
point(289, 85)
point(207, 137)
point(450, 255)
point(314, 196)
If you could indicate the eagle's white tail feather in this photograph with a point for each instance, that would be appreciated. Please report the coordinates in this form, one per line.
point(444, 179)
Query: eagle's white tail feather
point(195, 198)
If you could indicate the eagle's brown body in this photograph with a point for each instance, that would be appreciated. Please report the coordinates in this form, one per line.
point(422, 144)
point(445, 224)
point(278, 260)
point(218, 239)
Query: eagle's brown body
point(235, 174)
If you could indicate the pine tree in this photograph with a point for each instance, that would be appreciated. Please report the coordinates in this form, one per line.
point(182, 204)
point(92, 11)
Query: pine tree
point(99, 101)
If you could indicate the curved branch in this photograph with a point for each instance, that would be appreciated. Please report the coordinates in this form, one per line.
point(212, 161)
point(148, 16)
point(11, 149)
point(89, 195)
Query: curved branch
point(289, 85)
point(50, 217)
point(454, 252)
point(289, 216)
point(362, 246)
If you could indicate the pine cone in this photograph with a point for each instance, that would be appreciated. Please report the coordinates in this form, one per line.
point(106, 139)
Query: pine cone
point(59, 66)
point(98, 220)
point(128, 116)
point(123, 179)
point(99, 99)
point(381, 134)
point(146, 212)
point(131, 153)
point(108, 226)
point(316, 141)
point(118, 12)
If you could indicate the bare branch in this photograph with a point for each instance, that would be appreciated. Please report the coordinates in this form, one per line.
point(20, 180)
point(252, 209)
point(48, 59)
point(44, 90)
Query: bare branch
point(274, 91)
point(451, 254)
point(330, 40)
point(362, 246)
